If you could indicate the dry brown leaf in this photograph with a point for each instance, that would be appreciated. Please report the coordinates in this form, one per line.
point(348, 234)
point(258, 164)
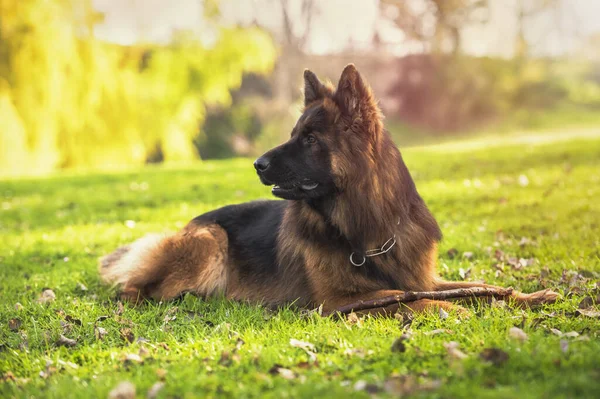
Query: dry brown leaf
point(8, 376)
point(127, 334)
point(120, 308)
point(46, 296)
point(170, 315)
point(586, 303)
point(452, 252)
point(155, 390)
point(100, 333)
point(132, 358)
point(164, 346)
point(464, 274)
point(306, 347)
point(556, 332)
point(353, 318)
point(399, 345)
point(405, 385)
point(161, 374)
point(125, 390)
point(588, 312)
point(438, 331)
point(14, 324)
point(73, 320)
point(81, 287)
point(282, 371)
point(64, 341)
point(453, 351)
point(443, 314)
point(495, 356)
point(517, 333)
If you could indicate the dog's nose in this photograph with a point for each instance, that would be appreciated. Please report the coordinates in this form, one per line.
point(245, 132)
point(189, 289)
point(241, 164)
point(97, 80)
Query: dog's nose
point(261, 164)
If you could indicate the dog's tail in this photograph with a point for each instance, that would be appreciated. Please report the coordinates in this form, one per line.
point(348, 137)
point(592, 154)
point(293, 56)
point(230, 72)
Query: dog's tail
point(163, 266)
point(120, 266)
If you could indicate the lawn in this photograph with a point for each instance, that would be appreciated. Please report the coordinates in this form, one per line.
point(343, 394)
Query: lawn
point(523, 213)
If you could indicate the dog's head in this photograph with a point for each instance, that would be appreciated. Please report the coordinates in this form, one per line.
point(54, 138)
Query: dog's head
point(334, 140)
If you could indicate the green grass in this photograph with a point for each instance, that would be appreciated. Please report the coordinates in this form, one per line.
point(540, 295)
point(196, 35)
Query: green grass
point(52, 230)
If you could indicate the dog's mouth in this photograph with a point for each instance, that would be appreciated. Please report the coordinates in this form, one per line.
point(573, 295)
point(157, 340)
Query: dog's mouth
point(289, 188)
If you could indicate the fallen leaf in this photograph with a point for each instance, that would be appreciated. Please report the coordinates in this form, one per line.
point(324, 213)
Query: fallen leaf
point(81, 287)
point(64, 341)
point(70, 364)
point(453, 351)
point(132, 358)
point(517, 333)
point(307, 365)
point(46, 296)
point(18, 306)
point(161, 373)
point(468, 255)
point(398, 344)
point(301, 344)
point(405, 385)
point(8, 376)
point(353, 319)
point(127, 335)
point(571, 334)
point(282, 371)
point(498, 303)
point(120, 308)
point(155, 390)
point(495, 356)
point(443, 314)
point(14, 324)
point(438, 331)
point(125, 390)
point(564, 345)
point(306, 346)
point(164, 346)
point(363, 386)
point(586, 303)
point(73, 320)
point(100, 333)
point(143, 351)
point(464, 274)
point(238, 344)
point(556, 332)
point(498, 254)
point(452, 252)
point(359, 352)
point(170, 315)
point(588, 313)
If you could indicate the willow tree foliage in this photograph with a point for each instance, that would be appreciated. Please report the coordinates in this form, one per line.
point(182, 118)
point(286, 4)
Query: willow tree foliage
point(70, 100)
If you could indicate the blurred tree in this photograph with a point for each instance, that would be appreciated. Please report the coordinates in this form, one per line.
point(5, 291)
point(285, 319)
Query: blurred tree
point(69, 100)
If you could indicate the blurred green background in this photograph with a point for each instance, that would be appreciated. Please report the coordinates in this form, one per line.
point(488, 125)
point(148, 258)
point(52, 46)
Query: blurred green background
point(111, 84)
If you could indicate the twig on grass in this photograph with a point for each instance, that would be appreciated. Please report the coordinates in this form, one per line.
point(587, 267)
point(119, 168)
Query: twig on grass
point(410, 296)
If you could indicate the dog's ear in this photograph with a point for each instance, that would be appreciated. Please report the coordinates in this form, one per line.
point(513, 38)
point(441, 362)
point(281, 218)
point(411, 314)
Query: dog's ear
point(354, 96)
point(313, 89)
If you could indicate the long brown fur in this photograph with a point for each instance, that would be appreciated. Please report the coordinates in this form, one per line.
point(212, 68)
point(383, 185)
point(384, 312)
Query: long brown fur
point(375, 202)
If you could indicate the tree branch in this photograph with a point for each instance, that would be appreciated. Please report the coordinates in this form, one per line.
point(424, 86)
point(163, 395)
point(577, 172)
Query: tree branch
point(411, 296)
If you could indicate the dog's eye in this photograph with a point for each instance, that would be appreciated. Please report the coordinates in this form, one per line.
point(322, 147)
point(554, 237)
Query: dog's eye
point(310, 139)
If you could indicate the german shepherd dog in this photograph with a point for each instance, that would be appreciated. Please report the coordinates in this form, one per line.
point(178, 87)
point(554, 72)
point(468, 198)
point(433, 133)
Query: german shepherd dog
point(351, 227)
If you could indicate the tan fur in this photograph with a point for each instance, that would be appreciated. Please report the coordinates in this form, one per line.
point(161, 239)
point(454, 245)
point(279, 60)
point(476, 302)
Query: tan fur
point(376, 201)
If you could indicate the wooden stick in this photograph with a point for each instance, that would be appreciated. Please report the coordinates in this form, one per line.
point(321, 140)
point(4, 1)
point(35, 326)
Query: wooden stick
point(410, 296)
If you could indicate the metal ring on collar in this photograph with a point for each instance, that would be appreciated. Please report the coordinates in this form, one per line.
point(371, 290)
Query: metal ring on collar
point(364, 259)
